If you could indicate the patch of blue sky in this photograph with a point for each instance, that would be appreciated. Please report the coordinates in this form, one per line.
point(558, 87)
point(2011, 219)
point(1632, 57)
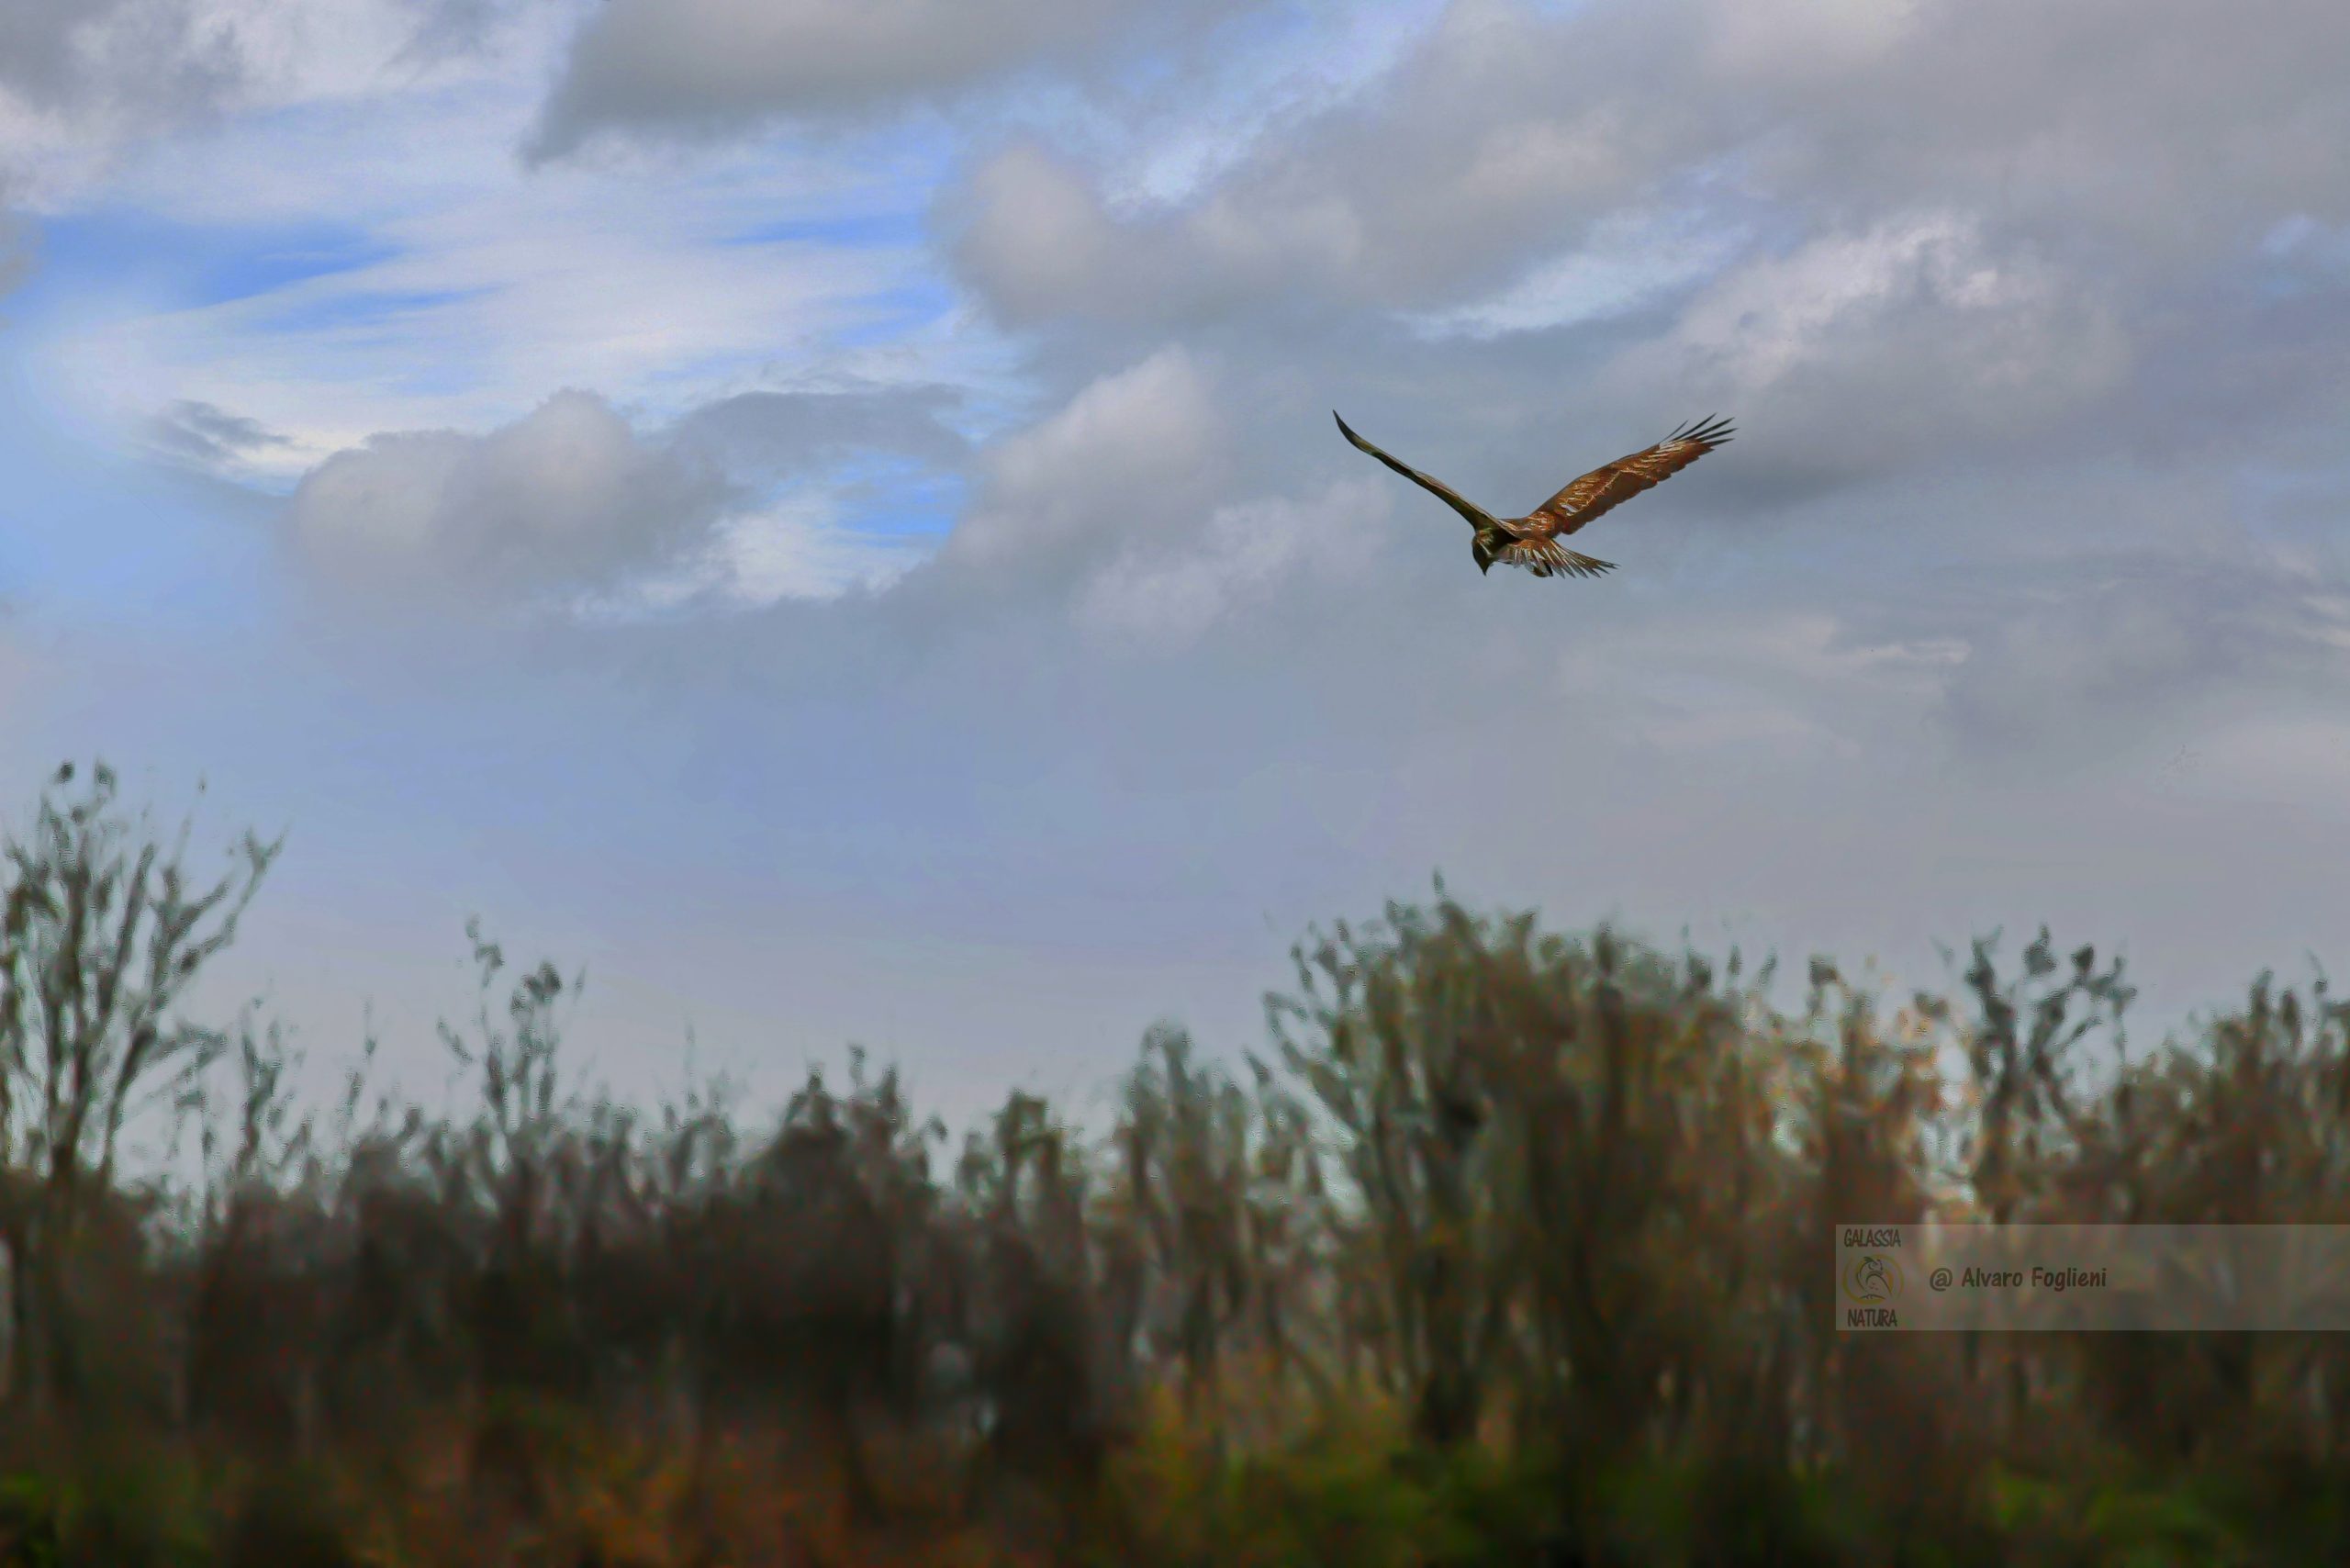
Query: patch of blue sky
point(893, 312)
point(2300, 233)
point(433, 379)
point(190, 266)
point(1253, 27)
point(1263, 27)
point(1273, 61)
point(897, 498)
point(341, 311)
point(670, 392)
point(905, 229)
point(2300, 258)
point(89, 536)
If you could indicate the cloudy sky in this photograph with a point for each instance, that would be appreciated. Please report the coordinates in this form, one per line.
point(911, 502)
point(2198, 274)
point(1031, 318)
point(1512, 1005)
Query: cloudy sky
point(827, 514)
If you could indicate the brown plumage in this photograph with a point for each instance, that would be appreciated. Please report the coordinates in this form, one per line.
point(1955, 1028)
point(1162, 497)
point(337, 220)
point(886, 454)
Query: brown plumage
point(1532, 540)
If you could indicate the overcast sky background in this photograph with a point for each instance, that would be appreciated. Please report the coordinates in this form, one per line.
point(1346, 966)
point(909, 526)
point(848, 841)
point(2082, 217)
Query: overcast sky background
point(827, 514)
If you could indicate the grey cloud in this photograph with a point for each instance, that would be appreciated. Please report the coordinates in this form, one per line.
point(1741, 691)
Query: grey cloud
point(449, 30)
point(1881, 351)
point(2013, 605)
point(141, 62)
point(1500, 137)
point(2234, 364)
point(1137, 452)
point(704, 67)
point(1482, 151)
point(211, 436)
point(94, 75)
point(1853, 341)
point(575, 505)
point(782, 431)
point(1933, 270)
point(1168, 594)
point(569, 498)
point(2115, 136)
point(2092, 652)
point(2166, 128)
point(1037, 241)
point(1969, 237)
point(35, 45)
point(18, 247)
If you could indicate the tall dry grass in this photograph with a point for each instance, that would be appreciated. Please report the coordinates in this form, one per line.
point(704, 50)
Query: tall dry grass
point(1508, 1246)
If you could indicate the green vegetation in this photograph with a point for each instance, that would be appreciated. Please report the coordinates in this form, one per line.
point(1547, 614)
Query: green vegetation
point(1511, 1248)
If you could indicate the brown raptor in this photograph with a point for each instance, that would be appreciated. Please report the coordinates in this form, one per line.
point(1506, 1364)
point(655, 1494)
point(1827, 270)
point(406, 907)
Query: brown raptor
point(1532, 540)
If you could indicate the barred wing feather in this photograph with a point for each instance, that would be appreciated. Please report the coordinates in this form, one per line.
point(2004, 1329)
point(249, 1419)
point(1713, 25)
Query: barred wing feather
point(1604, 488)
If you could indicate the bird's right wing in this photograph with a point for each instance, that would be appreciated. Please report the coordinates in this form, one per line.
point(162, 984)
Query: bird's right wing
point(1478, 517)
point(1619, 481)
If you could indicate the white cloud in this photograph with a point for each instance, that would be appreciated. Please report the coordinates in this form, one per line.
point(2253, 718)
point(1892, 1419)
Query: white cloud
point(567, 498)
point(1508, 130)
point(797, 548)
point(1775, 678)
point(1037, 241)
point(1177, 138)
point(1891, 349)
point(1167, 596)
point(84, 82)
point(488, 288)
point(1625, 263)
point(573, 509)
point(2096, 650)
point(1807, 44)
point(1411, 187)
point(1138, 451)
point(801, 552)
point(1777, 315)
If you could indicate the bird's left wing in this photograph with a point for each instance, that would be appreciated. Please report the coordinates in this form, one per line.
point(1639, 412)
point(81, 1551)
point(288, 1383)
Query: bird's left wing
point(1602, 488)
point(1478, 517)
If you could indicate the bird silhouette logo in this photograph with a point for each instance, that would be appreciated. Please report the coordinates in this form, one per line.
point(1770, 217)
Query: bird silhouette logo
point(1873, 1280)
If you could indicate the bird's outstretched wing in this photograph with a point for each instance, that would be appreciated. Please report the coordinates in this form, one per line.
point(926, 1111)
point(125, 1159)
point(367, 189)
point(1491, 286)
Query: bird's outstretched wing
point(1602, 488)
point(1545, 556)
point(1478, 517)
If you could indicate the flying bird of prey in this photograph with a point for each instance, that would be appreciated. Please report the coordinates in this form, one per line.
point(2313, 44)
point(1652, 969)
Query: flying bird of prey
point(1532, 540)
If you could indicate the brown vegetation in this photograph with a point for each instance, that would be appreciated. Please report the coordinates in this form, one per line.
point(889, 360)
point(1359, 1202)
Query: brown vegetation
point(1513, 1248)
